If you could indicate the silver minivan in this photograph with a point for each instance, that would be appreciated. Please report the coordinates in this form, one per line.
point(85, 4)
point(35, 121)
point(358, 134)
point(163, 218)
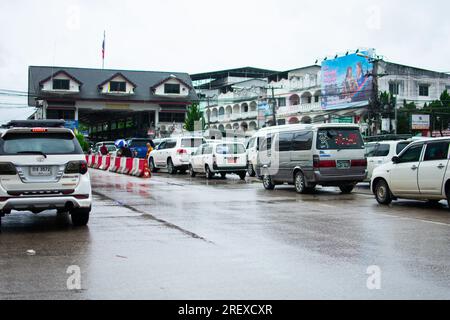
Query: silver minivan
point(307, 155)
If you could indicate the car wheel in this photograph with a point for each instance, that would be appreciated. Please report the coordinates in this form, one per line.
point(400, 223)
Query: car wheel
point(191, 172)
point(250, 170)
point(80, 216)
point(268, 183)
point(382, 192)
point(152, 166)
point(223, 175)
point(348, 188)
point(209, 174)
point(242, 175)
point(300, 183)
point(170, 167)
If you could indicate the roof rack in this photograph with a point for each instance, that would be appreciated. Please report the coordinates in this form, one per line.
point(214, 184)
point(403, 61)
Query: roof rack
point(36, 123)
point(388, 137)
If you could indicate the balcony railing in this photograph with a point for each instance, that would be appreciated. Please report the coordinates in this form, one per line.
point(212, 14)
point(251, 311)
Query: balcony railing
point(301, 108)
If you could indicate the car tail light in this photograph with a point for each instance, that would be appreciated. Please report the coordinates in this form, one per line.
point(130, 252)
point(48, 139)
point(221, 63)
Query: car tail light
point(327, 164)
point(182, 151)
point(359, 163)
point(82, 196)
point(317, 163)
point(7, 169)
point(76, 167)
point(39, 130)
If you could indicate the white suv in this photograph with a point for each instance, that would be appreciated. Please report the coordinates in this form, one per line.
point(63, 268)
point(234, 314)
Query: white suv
point(378, 153)
point(174, 154)
point(42, 166)
point(219, 157)
point(419, 172)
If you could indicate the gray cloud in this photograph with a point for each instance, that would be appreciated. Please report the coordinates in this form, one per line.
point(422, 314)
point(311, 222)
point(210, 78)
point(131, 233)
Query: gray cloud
point(201, 35)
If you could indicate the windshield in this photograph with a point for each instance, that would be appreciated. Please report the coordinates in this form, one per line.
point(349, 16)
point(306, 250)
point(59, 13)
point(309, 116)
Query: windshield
point(339, 138)
point(230, 149)
point(192, 143)
point(47, 143)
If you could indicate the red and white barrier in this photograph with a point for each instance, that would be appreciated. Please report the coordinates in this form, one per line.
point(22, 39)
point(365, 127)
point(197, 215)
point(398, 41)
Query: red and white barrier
point(131, 166)
point(106, 162)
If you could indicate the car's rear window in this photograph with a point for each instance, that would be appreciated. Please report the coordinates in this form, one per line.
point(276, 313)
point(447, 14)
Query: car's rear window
point(48, 143)
point(339, 138)
point(232, 148)
point(192, 143)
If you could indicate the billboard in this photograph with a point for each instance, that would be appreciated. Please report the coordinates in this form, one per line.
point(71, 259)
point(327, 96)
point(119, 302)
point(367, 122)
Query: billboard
point(420, 122)
point(347, 81)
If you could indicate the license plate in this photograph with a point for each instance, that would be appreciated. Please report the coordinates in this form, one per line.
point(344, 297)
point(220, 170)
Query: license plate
point(232, 160)
point(41, 171)
point(343, 164)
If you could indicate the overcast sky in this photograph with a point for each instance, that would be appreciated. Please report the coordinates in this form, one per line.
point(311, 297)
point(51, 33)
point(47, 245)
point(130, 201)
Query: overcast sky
point(204, 35)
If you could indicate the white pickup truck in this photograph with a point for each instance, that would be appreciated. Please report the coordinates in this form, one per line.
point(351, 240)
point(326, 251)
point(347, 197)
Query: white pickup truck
point(419, 172)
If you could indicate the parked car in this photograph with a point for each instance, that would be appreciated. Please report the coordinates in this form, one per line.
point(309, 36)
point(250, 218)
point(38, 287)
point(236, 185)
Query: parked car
point(42, 166)
point(378, 153)
point(307, 155)
point(419, 172)
point(252, 149)
point(219, 158)
point(174, 154)
point(112, 149)
point(138, 146)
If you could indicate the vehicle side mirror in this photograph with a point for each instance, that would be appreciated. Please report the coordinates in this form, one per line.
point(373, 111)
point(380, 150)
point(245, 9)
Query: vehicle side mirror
point(395, 159)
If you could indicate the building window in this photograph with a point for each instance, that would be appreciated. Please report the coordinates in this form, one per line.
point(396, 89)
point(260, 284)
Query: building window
point(423, 90)
point(117, 86)
point(61, 84)
point(171, 88)
point(394, 88)
point(60, 114)
point(171, 117)
point(282, 102)
point(316, 98)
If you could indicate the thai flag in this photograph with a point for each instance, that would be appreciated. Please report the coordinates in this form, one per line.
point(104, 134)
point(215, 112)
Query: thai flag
point(103, 46)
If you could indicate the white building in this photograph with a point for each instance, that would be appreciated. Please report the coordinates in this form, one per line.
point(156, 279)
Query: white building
point(112, 103)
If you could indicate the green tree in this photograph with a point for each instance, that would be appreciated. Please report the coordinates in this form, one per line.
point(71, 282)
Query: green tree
point(83, 143)
point(404, 117)
point(445, 99)
point(194, 115)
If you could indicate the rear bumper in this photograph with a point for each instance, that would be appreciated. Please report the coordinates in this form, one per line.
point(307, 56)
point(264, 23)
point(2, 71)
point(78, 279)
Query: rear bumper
point(44, 203)
point(217, 168)
point(337, 179)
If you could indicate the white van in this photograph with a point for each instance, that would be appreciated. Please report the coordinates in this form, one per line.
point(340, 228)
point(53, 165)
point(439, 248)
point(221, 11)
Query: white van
point(252, 148)
point(307, 155)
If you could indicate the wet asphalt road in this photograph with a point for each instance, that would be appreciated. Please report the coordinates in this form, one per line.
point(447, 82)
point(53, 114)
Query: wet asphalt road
point(182, 238)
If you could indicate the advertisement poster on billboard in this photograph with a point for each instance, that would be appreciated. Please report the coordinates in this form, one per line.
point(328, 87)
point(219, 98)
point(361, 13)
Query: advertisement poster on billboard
point(264, 111)
point(347, 81)
point(420, 122)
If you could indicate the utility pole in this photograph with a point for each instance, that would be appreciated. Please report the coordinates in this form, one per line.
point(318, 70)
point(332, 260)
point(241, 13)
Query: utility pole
point(274, 117)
